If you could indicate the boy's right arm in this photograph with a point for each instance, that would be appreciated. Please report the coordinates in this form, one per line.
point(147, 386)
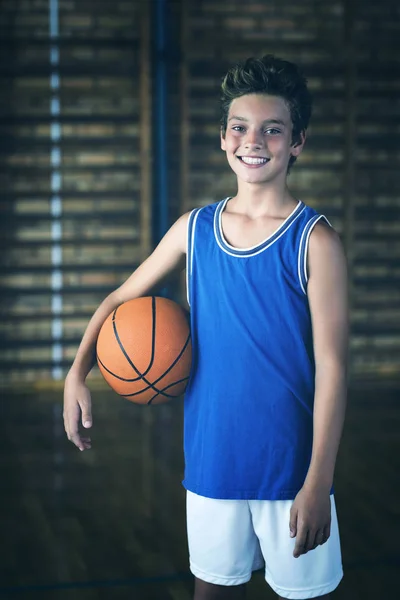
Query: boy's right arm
point(168, 257)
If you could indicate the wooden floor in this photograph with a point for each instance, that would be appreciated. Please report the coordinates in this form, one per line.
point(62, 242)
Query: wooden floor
point(110, 523)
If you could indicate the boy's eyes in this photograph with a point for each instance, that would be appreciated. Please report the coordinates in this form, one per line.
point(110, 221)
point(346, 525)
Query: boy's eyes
point(268, 131)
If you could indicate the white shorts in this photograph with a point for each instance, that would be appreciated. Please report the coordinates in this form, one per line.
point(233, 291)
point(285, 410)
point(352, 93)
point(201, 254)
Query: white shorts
point(228, 539)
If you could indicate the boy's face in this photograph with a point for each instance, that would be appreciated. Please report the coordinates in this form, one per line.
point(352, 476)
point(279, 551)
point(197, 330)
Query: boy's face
point(258, 139)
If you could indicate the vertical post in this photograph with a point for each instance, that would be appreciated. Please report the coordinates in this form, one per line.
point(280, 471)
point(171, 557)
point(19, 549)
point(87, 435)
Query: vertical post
point(185, 131)
point(145, 132)
point(146, 203)
point(349, 181)
point(55, 199)
point(56, 273)
point(161, 152)
point(184, 77)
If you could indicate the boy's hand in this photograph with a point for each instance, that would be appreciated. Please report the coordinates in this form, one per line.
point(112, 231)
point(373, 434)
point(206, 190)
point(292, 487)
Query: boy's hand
point(77, 401)
point(310, 519)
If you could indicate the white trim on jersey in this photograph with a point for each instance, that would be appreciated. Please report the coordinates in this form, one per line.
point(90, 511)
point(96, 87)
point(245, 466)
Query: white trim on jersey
point(303, 254)
point(190, 244)
point(219, 221)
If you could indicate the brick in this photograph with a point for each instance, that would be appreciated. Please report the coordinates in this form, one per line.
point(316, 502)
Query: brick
point(220, 32)
point(71, 22)
point(238, 23)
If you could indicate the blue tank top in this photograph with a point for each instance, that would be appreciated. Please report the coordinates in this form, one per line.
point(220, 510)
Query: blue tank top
point(249, 403)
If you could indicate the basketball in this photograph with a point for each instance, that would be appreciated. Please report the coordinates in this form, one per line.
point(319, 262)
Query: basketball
point(144, 350)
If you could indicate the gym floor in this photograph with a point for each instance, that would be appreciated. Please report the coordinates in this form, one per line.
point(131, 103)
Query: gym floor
point(110, 523)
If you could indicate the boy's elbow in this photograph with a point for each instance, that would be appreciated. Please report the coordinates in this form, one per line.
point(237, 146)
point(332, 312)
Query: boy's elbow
point(113, 300)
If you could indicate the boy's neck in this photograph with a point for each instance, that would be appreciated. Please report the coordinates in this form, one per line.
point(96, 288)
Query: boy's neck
point(263, 200)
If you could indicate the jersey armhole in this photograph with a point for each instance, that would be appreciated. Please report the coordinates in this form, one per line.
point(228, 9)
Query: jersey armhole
point(191, 230)
point(303, 249)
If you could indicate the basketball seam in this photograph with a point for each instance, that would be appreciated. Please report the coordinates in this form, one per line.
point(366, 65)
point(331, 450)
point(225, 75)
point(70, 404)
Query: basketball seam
point(149, 385)
point(152, 385)
point(168, 386)
point(140, 375)
point(153, 336)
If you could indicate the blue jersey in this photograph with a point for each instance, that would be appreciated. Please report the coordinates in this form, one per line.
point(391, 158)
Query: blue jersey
point(248, 421)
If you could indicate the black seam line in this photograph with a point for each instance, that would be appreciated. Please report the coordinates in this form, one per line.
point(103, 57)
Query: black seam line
point(150, 385)
point(162, 376)
point(166, 388)
point(143, 378)
point(153, 335)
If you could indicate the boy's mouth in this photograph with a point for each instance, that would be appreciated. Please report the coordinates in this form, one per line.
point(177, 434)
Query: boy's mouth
point(253, 160)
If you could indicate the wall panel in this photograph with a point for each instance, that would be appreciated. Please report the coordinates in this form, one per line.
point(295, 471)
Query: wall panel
point(349, 52)
point(75, 191)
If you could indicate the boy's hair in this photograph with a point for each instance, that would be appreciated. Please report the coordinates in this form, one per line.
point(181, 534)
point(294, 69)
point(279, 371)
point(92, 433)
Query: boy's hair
point(273, 76)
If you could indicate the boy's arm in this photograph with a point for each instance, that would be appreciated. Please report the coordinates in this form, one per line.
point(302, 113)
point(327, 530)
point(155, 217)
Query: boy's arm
point(168, 257)
point(328, 301)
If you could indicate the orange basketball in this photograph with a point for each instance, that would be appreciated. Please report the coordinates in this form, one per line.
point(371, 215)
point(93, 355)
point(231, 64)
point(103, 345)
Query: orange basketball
point(144, 350)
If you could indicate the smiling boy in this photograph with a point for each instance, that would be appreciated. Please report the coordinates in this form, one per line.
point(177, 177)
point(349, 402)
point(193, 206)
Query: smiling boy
point(264, 408)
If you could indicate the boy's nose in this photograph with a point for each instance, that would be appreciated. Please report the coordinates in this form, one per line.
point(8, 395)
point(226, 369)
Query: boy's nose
point(253, 140)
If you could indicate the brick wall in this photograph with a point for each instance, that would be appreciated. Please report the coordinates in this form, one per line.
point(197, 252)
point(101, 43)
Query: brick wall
point(348, 171)
point(350, 54)
point(102, 191)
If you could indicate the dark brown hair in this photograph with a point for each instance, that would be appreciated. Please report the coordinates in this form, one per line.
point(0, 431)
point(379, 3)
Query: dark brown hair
point(273, 76)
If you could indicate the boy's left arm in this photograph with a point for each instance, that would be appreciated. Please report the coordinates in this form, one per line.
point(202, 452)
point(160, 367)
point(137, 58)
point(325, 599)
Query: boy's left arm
point(328, 300)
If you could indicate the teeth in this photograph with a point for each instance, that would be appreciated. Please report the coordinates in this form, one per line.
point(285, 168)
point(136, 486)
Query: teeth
point(253, 161)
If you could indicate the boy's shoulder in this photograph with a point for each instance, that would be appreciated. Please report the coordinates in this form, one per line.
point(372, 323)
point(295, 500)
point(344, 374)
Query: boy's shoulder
point(205, 214)
point(315, 218)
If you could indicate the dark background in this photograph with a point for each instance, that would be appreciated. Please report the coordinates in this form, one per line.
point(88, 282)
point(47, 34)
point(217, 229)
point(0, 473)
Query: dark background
point(108, 132)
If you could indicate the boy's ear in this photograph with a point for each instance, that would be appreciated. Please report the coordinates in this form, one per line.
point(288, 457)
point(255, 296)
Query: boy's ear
point(297, 146)
point(222, 135)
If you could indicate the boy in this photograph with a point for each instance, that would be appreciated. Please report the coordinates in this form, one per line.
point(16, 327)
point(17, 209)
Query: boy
point(264, 409)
